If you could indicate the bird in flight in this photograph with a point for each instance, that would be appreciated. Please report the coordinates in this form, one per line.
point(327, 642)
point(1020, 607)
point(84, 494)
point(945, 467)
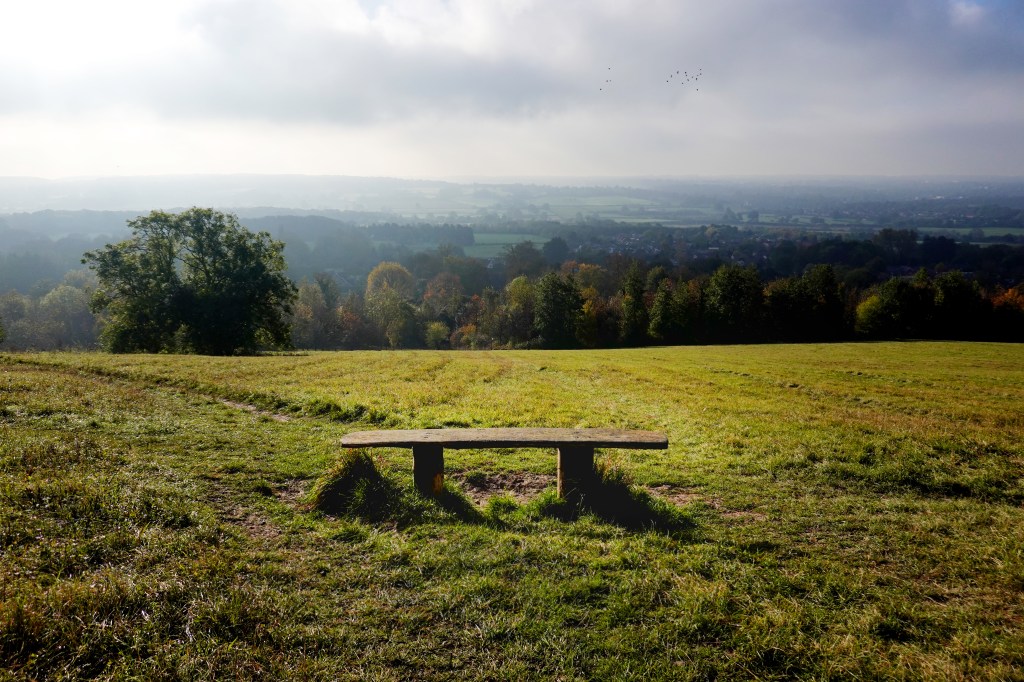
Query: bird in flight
point(680, 76)
point(686, 77)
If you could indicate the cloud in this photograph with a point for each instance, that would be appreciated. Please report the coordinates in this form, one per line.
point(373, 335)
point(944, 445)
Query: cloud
point(965, 13)
point(818, 72)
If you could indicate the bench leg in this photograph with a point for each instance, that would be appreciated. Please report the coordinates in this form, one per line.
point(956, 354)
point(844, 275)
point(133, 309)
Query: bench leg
point(428, 469)
point(575, 471)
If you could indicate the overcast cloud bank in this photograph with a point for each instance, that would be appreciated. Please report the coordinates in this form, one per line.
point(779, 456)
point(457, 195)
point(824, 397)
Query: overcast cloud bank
point(512, 87)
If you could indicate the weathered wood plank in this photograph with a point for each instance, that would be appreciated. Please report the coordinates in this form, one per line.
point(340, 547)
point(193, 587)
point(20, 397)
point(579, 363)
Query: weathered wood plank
point(508, 438)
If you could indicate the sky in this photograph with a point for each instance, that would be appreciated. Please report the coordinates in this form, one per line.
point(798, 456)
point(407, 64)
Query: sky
point(459, 89)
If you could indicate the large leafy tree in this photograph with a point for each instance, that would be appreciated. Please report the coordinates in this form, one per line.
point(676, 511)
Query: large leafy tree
point(664, 322)
point(393, 276)
point(523, 259)
point(899, 308)
point(519, 309)
point(557, 311)
point(635, 322)
point(808, 308)
point(316, 322)
point(195, 281)
point(389, 286)
point(443, 296)
point(733, 300)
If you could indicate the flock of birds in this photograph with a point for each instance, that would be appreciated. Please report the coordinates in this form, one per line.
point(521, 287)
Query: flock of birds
point(681, 77)
point(685, 78)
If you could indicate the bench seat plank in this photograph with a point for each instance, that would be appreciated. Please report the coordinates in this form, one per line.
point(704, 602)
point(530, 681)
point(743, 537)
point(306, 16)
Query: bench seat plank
point(508, 438)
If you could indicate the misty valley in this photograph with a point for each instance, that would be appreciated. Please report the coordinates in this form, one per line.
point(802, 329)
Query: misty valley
point(520, 266)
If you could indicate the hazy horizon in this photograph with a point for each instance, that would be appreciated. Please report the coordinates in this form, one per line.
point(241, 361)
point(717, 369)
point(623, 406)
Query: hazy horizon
point(441, 198)
point(550, 179)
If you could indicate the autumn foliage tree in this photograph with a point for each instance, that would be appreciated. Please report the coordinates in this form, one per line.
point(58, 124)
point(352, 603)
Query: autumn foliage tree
point(316, 322)
point(389, 290)
point(443, 296)
point(1008, 308)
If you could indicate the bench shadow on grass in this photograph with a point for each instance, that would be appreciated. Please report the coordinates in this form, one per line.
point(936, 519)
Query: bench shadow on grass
point(610, 497)
point(355, 487)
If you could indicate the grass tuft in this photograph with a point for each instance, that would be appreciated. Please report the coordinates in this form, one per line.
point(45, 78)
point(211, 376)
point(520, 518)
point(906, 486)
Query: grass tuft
point(322, 407)
point(263, 488)
point(356, 488)
point(500, 506)
point(963, 471)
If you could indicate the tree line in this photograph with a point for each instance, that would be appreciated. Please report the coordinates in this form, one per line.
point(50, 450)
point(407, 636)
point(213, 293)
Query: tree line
point(582, 305)
point(200, 282)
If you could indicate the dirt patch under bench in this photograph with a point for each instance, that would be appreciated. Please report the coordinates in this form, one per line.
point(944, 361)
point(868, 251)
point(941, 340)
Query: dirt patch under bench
point(521, 485)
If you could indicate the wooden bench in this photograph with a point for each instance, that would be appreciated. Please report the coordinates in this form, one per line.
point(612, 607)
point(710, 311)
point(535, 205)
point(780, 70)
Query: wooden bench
point(575, 449)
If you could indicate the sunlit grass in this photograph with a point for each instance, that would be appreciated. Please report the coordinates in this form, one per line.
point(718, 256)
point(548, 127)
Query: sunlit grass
point(823, 511)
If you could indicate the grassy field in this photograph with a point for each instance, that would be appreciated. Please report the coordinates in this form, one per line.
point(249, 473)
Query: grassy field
point(960, 233)
point(824, 511)
point(494, 244)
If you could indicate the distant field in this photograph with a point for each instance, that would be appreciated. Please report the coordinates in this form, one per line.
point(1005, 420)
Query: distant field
point(988, 231)
point(824, 511)
point(1000, 231)
point(608, 206)
point(494, 244)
